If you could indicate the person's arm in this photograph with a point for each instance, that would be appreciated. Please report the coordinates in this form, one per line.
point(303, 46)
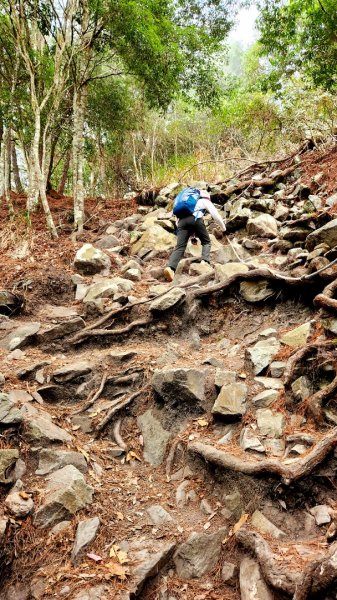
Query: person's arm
point(209, 206)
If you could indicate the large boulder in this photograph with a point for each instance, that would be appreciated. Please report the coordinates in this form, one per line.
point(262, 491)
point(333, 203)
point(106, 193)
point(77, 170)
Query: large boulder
point(90, 260)
point(224, 272)
point(231, 401)
point(67, 493)
point(181, 385)
point(41, 429)
point(199, 554)
point(230, 253)
point(108, 288)
point(20, 337)
point(155, 438)
point(154, 238)
point(326, 234)
point(172, 298)
point(264, 226)
point(262, 353)
point(52, 460)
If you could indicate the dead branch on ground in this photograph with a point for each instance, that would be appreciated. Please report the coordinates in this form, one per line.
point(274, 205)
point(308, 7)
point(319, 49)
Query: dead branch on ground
point(112, 332)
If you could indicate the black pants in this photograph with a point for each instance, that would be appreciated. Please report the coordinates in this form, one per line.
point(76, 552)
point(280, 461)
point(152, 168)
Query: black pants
point(188, 227)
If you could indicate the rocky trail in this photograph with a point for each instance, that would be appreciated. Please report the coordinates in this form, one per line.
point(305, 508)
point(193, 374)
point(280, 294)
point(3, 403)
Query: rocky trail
point(175, 441)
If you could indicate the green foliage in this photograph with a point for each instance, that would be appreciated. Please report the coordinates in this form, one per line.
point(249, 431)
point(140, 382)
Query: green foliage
point(299, 36)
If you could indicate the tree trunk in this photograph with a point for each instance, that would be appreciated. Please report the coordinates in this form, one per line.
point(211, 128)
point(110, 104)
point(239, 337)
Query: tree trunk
point(6, 156)
point(65, 171)
point(16, 172)
point(79, 104)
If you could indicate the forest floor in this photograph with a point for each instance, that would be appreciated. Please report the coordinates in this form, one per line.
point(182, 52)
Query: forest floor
point(179, 486)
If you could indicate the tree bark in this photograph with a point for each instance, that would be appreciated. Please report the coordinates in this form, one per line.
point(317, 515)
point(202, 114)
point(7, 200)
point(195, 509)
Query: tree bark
point(16, 171)
point(79, 105)
point(65, 171)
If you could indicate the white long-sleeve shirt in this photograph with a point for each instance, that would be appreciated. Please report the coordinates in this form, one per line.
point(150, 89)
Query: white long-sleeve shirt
point(204, 204)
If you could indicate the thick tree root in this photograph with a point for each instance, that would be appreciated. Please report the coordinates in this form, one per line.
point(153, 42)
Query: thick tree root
point(117, 435)
point(314, 403)
point(295, 361)
point(92, 400)
point(317, 576)
point(111, 332)
point(325, 299)
point(115, 408)
point(289, 471)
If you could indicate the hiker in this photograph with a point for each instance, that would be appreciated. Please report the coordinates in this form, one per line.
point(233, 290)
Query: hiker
point(189, 207)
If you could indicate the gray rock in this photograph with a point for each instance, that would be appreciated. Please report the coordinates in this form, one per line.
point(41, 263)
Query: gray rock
point(67, 492)
point(229, 573)
point(199, 554)
point(107, 241)
point(19, 505)
point(155, 438)
point(321, 514)
point(98, 592)
point(262, 353)
point(20, 337)
point(326, 234)
point(330, 324)
point(269, 383)
point(256, 291)
point(264, 226)
point(156, 239)
point(108, 288)
point(302, 388)
point(60, 330)
point(85, 533)
point(172, 298)
point(233, 503)
point(224, 272)
point(263, 525)
point(8, 459)
point(59, 528)
point(51, 460)
point(41, 429)
point(149, 559)
point(2, 380)
point(231, 401)
point(226, 254)
point(252, 585)
point(271, 424)
point(297, 337)
point(223, 377)
point(158, 515)
point(9, 413)
point(331, 201)
point(19, 396)
point(277, 368)
point(180, 385)
point(133, 274)
point(265, 398)
point(250, 441)
point(90, 260)
point(72, 371)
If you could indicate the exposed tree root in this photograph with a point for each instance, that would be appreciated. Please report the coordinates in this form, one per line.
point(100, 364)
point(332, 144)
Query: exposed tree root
point(294, 469)
point(92, 400)
point(264, 182)
point(116, 407)
point(274, 573)
point(325, 299)
point(314, 403)
point(117, 435)
point(170, 458)
point(111, 332)
point(298, 357)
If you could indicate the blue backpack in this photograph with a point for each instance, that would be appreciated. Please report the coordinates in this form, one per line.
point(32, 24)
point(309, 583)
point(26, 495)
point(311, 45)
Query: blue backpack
point(185, 202)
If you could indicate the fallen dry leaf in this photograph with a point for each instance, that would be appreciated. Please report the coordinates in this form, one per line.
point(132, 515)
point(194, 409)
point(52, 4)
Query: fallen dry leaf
point(202, 422)
point(95, 557)
point(120, 516)
point(116, 552)
point(131, 455)
point(24, 495)
point(240, 522)
point(116, 569)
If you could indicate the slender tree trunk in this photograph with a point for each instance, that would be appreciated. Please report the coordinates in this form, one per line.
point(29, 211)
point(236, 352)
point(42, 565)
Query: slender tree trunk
point(65, 171)
point(79, 105)
point(16, 171)
point(7, 144)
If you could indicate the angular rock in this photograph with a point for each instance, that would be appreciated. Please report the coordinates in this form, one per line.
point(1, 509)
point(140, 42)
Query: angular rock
point(20, 337)
point(230, 253)
point(277, 368)
point(269, 383)
point(149, 559)
point(133, 274)
point(155, 438)
point(326, 234)
point(67, 493)
point(172, 298)
point(9, 413)
point(302, 388)
point(8, 459)
point(51, 460)
point(154, 238)
point(18, 503)
point(223, 377)
point(262, 353)
point(85, 533)
point(107, 241)
point(199, 554)
point(263, 525)
point(158, 515)
point(108, 288)
point(10, 304)
point(297, 337)
point(197, 269)
point(180, 385)
point(271, 424)
point(229, 573)
point(321, 514)
point(256, 291)
point(330, 325)
point(60, 330)
point(252, 584)
point(264, 226)
point(250, 441)
point(72, 371)
point(98, 592)
point(265, 398)
point(41, 429)
point(90, 260)
point(231, 401)
point(224, 272)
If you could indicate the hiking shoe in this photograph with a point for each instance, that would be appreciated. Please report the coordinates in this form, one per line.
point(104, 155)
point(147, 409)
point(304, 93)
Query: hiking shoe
point(168, 274)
